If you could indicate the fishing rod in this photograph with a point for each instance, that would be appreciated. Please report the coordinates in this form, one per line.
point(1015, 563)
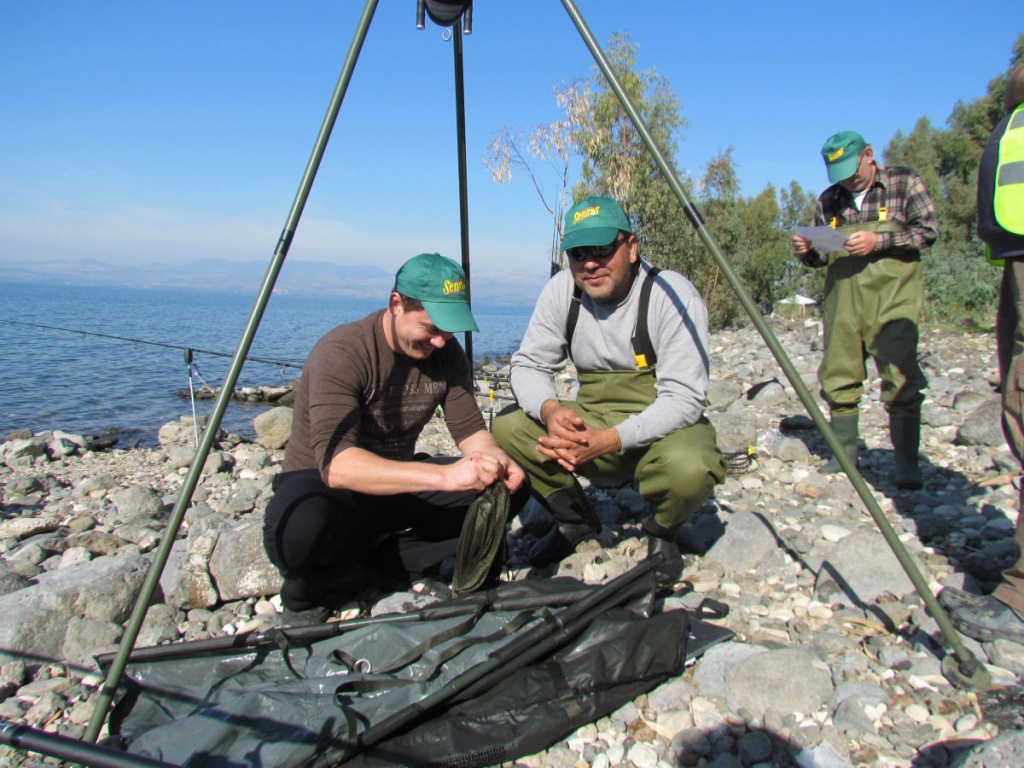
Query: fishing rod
point(285, 362)
point(288, 362)
point(509, 597)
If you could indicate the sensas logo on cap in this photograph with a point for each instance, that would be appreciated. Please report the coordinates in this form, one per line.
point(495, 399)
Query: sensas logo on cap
point(837, 154)
point(454, 286)
point(586, 213)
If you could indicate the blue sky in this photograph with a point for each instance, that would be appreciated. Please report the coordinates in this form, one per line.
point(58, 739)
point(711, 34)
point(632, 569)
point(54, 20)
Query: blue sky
point(136, 132)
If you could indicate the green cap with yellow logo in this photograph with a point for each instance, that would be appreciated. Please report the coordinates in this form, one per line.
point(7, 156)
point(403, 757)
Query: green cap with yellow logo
point(842, 154)
point(439, 284)
point(594, 221)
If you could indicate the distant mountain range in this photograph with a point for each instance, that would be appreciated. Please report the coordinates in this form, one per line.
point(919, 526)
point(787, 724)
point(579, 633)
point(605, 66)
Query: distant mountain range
point(310, 278)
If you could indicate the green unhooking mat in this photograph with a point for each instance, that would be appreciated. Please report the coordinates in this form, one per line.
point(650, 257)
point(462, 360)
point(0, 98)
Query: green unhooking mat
point(474, 681)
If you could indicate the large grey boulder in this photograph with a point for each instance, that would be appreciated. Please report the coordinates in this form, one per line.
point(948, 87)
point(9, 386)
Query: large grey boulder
point(1004, 750)
point(11, 581)
point(709, 675)
point(274, 427)
point(36, 619)
point(983, 426)
point(24, 527)
point(139, 502)
point(22, 453)
point(860, 569)
point(747, 540)
point(785, 681)
point(86, 638)
point(239, 564)
point(736, 432)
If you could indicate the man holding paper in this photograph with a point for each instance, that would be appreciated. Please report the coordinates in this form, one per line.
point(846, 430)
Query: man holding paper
point(873, 293)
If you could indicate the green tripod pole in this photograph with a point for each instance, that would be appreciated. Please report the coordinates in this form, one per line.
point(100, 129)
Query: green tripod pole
point(460, 120)
point(113, 677)
point(966, 672)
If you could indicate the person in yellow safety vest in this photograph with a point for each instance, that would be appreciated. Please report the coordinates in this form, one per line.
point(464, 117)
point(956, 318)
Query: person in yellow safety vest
point(1000, 616)
point(874, 289)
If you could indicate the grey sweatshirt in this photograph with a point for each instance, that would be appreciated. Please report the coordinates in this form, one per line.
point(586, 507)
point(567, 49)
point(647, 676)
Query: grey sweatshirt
point(678, 326)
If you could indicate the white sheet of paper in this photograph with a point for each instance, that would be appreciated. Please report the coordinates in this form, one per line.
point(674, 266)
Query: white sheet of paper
point(824, 239)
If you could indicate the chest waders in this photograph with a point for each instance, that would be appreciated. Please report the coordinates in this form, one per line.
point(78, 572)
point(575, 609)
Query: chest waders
point(676, 474)
point(872, 307)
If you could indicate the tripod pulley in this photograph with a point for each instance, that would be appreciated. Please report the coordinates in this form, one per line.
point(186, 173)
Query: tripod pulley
point(445, 13)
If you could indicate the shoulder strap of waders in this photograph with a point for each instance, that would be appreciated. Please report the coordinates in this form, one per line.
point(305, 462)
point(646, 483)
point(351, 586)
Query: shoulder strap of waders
point(643, 350)
point(572, 318)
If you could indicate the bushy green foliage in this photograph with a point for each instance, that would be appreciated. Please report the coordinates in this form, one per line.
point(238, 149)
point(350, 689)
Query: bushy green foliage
point(753, 233)
point(961, 287)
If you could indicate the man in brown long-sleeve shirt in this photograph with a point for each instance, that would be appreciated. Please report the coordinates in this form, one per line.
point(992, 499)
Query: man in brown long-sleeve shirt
point(352, 490)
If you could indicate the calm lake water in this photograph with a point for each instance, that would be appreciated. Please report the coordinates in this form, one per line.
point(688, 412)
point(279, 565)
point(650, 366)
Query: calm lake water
point(81, 383)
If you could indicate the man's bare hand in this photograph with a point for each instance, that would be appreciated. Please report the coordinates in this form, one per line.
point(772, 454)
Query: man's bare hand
point(800, 245)
point(564, 423)
point(483, 442)
point(475, 472)
point(571, 442)
point(804, 251)
point(861, 243)
point(514, 476)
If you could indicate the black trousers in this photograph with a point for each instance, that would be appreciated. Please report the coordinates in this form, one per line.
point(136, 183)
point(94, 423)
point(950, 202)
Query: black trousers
point(325, 540)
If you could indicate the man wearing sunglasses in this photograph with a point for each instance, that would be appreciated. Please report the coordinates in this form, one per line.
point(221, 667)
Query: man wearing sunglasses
point(639, 340)
point(353, 494)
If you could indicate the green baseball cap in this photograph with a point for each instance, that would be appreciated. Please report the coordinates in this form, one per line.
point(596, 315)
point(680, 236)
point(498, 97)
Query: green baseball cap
point(594, 221)
point(439, 284)
point(842, 154)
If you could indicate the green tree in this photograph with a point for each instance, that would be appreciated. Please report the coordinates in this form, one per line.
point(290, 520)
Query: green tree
point(616, 162)
point(960, 287)
point(546, 151)
point(766, 253)
point(948, 159)
point(796, 207)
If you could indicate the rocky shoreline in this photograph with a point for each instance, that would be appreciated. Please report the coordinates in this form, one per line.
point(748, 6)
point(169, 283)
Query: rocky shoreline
point(835, 661)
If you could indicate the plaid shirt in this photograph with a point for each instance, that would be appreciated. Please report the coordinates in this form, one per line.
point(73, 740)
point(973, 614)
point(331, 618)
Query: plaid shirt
point(898, 191)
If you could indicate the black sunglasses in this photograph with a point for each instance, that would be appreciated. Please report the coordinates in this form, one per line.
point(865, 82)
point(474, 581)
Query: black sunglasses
point(596, 252)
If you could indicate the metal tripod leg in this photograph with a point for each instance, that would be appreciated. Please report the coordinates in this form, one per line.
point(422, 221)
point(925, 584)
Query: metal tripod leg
point(966, 671)
point(163, 552)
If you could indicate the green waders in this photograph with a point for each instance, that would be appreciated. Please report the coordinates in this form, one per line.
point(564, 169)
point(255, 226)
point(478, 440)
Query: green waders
point(676, 474)
point(845, 425)
point(872, 306)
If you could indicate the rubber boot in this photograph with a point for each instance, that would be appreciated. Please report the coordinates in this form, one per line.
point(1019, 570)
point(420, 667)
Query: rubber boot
point(905, 433)
point(661, 543)
point(576, 523)
point(846, 427)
